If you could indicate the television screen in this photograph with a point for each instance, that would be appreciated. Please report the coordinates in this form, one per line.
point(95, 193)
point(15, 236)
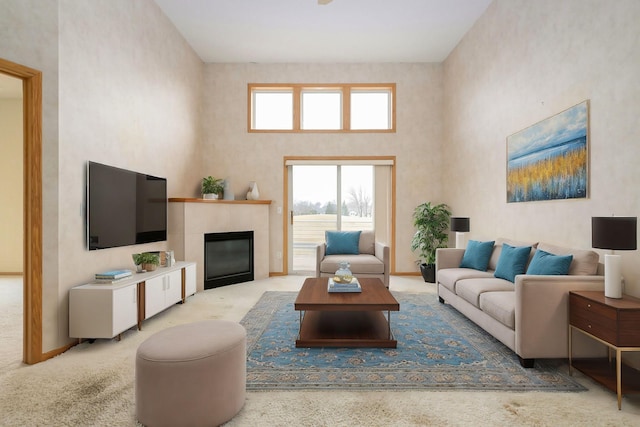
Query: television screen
point(124, 207)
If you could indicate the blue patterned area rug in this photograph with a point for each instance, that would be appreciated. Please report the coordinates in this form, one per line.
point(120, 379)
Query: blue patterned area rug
point(438, 349)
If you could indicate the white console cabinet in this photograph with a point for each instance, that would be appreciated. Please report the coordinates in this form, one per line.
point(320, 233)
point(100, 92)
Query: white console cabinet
point(189, 280)
point(162, 292)
point(107, 310)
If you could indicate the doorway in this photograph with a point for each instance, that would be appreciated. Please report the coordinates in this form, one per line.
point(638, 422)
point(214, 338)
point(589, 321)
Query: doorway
point(11, 226)
point(32, 207)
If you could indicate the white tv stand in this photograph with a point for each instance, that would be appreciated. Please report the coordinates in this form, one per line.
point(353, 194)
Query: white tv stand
point(106, 310)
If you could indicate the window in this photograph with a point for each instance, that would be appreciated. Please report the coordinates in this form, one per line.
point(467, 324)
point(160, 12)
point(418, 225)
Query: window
point(370, 109)
point(321, 108)
point(273, 110)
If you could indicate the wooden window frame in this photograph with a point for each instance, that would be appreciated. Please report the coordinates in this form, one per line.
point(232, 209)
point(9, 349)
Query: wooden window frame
point(297, 89)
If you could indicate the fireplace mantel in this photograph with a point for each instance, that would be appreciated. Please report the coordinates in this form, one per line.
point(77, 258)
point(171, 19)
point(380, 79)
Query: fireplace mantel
point(191, 218)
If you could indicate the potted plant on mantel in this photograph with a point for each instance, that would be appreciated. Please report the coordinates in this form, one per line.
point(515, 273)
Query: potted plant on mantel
point(212, 187)
point(432, 224)
point(146, 261)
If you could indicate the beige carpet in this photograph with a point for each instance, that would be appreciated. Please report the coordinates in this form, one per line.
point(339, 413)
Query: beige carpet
point(10, 321)
point(92, 385)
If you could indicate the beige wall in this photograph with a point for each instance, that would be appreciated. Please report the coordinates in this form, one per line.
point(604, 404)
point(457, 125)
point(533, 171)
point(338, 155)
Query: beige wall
point(11, 185)
point(130, 98)
point(522, 62)
point(230, 151)
point(121, 87)
point(30, 37)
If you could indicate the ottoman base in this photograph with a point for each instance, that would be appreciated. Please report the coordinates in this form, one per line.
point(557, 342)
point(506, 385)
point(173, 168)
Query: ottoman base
point(191, 375)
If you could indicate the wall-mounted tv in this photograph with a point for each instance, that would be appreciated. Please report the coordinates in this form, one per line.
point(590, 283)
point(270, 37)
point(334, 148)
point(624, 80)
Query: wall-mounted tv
point(124, 207)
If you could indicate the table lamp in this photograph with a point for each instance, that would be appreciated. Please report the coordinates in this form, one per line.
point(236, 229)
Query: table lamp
point(615, 233)
point(461, 226)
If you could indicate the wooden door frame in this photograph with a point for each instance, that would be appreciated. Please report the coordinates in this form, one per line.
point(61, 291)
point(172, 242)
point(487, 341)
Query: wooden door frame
point(32, 207)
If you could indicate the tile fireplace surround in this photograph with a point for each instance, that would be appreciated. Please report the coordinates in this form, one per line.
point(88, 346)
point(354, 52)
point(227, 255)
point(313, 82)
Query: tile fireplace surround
point(191, 219)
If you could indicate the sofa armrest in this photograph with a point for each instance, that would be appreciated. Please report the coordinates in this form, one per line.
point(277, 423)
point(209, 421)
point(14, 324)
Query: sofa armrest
point(320, 249)
point(382, 252)
point(448, 258)
point(542, 312)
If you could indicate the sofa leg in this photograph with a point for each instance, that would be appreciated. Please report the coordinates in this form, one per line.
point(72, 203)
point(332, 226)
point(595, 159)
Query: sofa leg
point(526, 363)
point(440, 299)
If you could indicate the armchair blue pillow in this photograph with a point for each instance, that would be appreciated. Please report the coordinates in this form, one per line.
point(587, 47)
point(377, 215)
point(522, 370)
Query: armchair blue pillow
point(512, 261)
point(342, 242)
point(477, 255)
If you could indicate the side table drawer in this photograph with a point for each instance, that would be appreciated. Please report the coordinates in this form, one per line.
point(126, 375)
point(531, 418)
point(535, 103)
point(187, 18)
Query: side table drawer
point(594, 318)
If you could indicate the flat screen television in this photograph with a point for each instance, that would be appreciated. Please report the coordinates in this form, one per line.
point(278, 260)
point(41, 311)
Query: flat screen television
point(124, 207)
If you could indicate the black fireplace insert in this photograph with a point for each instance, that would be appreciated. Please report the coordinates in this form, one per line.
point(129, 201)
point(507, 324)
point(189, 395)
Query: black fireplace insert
point(228, 258)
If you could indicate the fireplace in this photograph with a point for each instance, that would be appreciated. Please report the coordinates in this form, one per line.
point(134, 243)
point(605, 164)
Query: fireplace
point(228, 258)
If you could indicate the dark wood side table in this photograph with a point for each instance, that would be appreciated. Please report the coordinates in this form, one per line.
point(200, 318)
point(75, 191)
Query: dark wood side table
point(616, 324)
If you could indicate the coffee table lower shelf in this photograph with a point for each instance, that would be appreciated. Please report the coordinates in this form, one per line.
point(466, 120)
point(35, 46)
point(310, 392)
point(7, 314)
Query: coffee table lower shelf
point(345, 329)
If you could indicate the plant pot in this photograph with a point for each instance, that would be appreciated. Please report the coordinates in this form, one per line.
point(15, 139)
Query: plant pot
point(149, 267)
point(210, 196)
point(428, 272)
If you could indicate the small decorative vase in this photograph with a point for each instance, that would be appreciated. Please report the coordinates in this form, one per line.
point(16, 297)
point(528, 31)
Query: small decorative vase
point(227, 193)
point(253, 193)
point(343, 273)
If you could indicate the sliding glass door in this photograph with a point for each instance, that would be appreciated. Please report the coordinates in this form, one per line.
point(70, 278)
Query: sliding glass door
point(326, 197)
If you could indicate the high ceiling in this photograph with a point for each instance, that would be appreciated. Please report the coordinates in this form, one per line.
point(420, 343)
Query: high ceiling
point(342, 31)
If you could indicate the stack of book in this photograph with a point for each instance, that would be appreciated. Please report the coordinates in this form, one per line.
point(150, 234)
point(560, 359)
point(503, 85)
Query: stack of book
point(112, 276)
point(353, 286)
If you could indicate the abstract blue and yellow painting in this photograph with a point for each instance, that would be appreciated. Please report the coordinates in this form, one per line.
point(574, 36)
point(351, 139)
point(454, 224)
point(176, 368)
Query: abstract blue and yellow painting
point(548, 161)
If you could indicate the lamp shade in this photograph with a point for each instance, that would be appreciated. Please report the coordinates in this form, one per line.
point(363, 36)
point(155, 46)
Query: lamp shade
point(614, 232)
point(459, 224)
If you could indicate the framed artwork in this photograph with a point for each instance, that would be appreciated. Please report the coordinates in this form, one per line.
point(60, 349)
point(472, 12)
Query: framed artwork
point(548, 160)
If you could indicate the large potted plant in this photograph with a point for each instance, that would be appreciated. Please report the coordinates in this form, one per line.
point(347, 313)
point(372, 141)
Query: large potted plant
point(432, 232)
point(212, 187)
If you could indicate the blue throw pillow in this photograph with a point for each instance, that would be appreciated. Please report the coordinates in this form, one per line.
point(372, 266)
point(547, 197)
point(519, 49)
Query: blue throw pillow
point(342, 242)
point(543, 263)
point(512, 261)
point(477, 255)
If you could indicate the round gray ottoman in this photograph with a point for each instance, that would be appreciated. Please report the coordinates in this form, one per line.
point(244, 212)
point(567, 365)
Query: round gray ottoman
point(191, 375)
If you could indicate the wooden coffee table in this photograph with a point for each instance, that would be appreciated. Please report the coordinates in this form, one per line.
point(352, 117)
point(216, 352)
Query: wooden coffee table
point(345, 319)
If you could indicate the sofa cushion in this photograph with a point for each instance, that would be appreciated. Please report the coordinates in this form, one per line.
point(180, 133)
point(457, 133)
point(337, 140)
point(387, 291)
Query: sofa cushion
point(544, 263)
point(448, 277)
point(584, 263)
point(367, 244)
point(477, 255)
point(362, 263)
point(471, 289)
point(501, 305)
point(513, 261)
point(497, 250)
point(342, 242)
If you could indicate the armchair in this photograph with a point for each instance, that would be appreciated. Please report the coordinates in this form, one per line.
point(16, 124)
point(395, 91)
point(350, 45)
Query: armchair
point(372, 259)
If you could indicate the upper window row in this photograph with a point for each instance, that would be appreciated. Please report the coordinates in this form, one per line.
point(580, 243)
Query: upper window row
point(322, 108)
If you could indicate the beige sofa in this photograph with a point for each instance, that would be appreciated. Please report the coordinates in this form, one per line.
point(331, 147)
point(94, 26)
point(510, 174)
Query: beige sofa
point(530, 315)
point(371, 261)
